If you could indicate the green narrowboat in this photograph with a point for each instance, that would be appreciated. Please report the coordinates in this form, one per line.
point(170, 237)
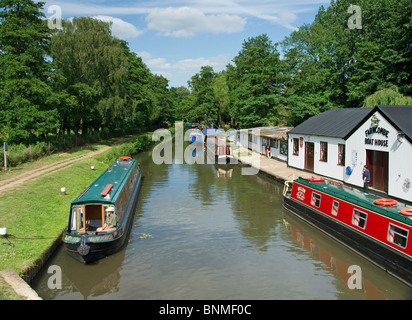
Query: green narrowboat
point(116, 189)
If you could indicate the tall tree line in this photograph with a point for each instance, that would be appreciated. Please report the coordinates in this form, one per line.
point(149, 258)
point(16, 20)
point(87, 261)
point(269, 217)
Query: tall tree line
point(325, 64)
point(78, 79)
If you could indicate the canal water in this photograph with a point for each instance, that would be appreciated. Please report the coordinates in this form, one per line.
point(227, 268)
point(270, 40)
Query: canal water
point(207, 232)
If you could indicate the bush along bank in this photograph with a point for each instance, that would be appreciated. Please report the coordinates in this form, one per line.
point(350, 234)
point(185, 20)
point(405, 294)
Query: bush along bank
point(20, 153)
point(141, 143)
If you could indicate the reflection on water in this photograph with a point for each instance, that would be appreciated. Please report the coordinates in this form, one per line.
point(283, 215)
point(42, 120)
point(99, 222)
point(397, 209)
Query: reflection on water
point(215, 234)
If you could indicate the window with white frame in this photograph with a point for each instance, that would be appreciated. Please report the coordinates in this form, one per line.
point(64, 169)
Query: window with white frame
point(341, 154)
point(323, 151)
point(335, 208)
point(397, 235)
point(283, 147)
point(295, 146)
point(359, 218)
point(315, 200)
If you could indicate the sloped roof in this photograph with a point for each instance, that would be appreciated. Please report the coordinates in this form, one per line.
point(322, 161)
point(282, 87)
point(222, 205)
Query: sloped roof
point(279, 132)
point(341, 123)
point(400, 117)
point(338, 123)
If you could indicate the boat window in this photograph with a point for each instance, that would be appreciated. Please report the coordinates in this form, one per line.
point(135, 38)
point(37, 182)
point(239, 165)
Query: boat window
point(359, 219)
point(397, 235)
point(80, 218)
point(335, 208)
point(73, 219)
point(104, 208)
point(315, 201)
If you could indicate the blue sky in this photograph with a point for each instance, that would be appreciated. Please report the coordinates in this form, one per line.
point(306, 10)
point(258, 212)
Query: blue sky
point(176, 38)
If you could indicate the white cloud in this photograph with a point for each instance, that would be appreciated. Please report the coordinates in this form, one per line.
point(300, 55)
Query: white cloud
point(186, 22)
point(184, 18)
point(120, 29)
point(190, 66)
point(184, 69)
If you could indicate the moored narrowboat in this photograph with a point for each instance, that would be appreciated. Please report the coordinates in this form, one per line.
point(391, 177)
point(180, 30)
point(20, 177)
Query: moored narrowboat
point(92, 233)
point(378, 229)
point(222, 151)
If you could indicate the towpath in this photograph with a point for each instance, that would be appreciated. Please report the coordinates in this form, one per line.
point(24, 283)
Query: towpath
point(19, 179)
point(277, 169)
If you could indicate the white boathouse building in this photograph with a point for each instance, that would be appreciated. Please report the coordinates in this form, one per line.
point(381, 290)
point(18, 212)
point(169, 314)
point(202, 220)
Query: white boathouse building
point(339, 142)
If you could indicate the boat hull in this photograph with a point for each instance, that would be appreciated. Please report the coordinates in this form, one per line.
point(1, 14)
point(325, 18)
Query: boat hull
point(89, 248)
point(95, 251)
point(392, 262)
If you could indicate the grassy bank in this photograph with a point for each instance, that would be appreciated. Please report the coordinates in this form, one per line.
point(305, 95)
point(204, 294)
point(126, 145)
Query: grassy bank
point(36, 213)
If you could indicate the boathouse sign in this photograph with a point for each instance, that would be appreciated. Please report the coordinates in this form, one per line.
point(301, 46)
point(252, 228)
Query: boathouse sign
point(377, 142)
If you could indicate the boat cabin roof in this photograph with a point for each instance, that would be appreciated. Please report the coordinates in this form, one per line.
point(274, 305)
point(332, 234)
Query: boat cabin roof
point(357, 197)
point(107, 187)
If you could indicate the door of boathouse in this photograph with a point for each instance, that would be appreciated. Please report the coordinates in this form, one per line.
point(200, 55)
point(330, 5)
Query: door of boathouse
point(378, 163)
point(309, 156)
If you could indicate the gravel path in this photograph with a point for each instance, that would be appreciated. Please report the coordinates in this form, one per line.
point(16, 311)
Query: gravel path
point(13, 182)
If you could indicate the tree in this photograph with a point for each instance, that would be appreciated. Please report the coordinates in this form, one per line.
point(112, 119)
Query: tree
point(179, 96)
point(26, 111)
point(201, 86)
point(383, 53)
point(222, 98)
point(330, 65)
point(256, 83)
point(137, 86)
point(161, 111)
point(93, 66)
point(387, 97)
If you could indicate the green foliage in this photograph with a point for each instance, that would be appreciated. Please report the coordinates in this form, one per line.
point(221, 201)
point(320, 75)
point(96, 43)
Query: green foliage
point(330, 65)
point(387, 97)
point(25, 109)
point(256, 83)
point(178, 97)
point(141, 143)
point(201, 85)
point(81, 80)
point(93, 67)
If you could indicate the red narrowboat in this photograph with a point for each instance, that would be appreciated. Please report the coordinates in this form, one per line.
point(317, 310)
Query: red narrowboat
point(222, 151)
point(378, 229)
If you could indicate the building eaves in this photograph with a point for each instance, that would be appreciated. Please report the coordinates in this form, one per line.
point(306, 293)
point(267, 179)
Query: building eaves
point(337, 123)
